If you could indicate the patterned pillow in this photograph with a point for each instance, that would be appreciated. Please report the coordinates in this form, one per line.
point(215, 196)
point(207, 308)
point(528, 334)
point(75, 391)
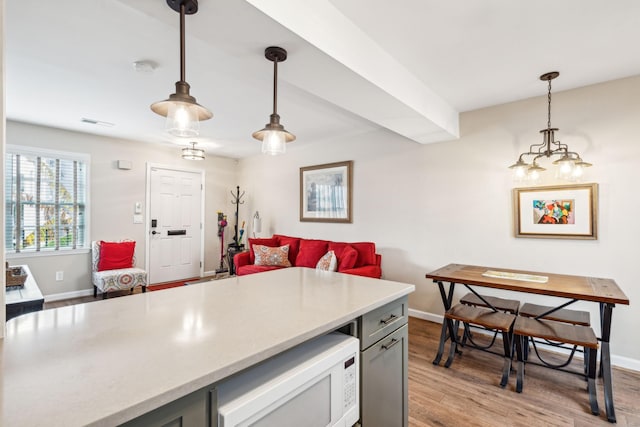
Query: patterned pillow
point(328, 262)
point(266, 255)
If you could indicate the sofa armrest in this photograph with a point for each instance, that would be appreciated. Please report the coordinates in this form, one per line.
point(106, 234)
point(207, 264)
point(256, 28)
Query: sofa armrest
point(373, 271)
point(378, 260)
point(241, 259)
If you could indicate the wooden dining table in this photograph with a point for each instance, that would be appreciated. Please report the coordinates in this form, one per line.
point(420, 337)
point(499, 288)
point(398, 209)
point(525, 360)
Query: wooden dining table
point(604, 292)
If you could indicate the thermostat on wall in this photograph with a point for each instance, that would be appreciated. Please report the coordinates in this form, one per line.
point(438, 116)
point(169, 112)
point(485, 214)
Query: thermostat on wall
point(124, 164)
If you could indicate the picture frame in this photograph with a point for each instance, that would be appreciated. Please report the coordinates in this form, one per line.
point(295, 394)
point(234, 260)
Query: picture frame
point(556, 212)
point(326, 192)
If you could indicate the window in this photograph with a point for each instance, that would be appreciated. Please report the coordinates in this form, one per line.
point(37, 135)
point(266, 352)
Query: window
point(46, 200)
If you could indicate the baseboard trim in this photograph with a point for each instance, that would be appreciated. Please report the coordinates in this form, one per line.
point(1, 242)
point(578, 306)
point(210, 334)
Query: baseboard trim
point(619, 361)
point(68, 295)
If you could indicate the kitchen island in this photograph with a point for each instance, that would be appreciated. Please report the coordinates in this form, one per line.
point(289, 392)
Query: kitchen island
point(107, 362)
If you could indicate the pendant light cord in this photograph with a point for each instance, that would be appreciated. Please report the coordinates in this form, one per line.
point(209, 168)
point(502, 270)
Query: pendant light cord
point(549, 106)
point(182, 44)
point(275, 86)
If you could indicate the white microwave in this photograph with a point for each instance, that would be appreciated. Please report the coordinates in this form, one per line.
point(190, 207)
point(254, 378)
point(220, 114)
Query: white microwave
point(315, 385)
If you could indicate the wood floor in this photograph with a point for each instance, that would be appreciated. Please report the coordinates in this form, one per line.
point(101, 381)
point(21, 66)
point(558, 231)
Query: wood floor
point(468, 393)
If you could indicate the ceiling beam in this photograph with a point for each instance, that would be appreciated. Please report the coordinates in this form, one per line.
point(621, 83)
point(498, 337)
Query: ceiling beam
point(380, 88)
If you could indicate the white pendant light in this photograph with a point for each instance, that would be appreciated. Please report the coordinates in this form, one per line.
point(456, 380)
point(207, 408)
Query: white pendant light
point(274, 136)
point(182, 111)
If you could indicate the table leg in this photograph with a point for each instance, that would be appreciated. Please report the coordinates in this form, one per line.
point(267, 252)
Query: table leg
point(447, 324)
point(443, 338)
point(605, 361)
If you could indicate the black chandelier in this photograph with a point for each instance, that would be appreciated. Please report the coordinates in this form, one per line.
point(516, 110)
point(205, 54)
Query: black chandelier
point(570, 164)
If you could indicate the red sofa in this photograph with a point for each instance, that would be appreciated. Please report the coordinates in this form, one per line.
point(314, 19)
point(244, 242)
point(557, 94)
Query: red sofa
point(306, 253)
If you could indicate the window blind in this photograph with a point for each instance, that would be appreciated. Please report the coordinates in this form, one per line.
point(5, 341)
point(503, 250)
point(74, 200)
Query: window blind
point(46, 202)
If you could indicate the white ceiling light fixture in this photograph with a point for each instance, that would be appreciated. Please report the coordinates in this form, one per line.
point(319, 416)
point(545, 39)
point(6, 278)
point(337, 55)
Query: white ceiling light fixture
point(274, 136)
point(192, 153)
point(144, 66)
point(182, 111)
point(570, 164)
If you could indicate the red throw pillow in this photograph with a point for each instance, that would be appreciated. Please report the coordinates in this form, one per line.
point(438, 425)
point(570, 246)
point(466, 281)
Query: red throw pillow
point(310, 252)
point(337, 248)
point(347, 258)
point(294, 246)
point(116, 255)
point(366, 253)
point(271, 242)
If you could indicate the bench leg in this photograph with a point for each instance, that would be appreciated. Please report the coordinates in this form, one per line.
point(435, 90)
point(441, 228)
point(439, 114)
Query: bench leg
point(506, 341)
point(465, 334)
point(144, 289)
point(95, 291)
point(520, 341)
point(591, 355)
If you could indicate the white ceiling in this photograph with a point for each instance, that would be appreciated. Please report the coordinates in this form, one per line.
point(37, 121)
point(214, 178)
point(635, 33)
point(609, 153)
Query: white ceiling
point(354, 65)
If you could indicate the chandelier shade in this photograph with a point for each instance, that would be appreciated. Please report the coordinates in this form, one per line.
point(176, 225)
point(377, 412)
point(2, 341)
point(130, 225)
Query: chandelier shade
point(570, 165)
point(274, 136)
point(182, 111)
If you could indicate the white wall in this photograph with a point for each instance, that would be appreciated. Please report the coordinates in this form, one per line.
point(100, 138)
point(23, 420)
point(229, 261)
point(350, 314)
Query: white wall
point(114, 192)
point(2, 151)
point(429, 205)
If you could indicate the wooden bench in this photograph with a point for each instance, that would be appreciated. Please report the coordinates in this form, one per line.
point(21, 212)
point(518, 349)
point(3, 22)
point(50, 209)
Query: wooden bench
point(476, 300)
point(501, 304)
point(578, 335)
point(489, 319)
point(575, 317)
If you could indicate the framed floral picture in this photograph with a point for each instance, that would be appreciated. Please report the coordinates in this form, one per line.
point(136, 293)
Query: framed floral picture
point(325, 192)
point(559, 212)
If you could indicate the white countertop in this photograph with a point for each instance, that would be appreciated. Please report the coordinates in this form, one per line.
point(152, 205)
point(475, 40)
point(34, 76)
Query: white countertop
point(28, 293)
point(109, 361)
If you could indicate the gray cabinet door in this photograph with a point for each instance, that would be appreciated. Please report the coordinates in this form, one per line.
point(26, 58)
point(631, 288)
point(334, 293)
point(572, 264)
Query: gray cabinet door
point(384, 385)
point(193, 410)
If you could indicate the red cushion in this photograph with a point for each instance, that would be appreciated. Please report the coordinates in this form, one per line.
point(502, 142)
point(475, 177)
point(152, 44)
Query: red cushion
point(337, 248)
point(271, 242)
point(310, 252)
point(348, 258)
point(366, 253)
point(116, 255)
point(250, 269)
point(373, 271)
point(294, 246)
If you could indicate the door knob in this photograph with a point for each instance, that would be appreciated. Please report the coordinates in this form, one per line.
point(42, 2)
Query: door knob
point(155, 232)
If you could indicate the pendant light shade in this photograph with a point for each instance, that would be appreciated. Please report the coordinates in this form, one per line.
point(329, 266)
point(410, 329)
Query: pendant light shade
point(274, 136)
point(192, 153)
point(182, 111)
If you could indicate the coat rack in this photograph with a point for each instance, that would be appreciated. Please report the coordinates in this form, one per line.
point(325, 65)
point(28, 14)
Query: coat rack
point(236, 246)
point(237, 200)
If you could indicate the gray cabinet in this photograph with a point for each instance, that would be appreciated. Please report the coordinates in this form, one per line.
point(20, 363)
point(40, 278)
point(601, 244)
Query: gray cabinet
point(384, 349)
point(198, 409)
point(384, 367)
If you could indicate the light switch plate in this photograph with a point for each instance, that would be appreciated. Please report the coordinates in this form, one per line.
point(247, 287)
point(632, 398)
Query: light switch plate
point(137, 219)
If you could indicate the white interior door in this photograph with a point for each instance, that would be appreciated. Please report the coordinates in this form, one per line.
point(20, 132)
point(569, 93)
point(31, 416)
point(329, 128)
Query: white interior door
point(175, 218)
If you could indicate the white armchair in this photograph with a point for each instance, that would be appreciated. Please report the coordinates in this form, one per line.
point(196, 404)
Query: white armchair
point(114, 279)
